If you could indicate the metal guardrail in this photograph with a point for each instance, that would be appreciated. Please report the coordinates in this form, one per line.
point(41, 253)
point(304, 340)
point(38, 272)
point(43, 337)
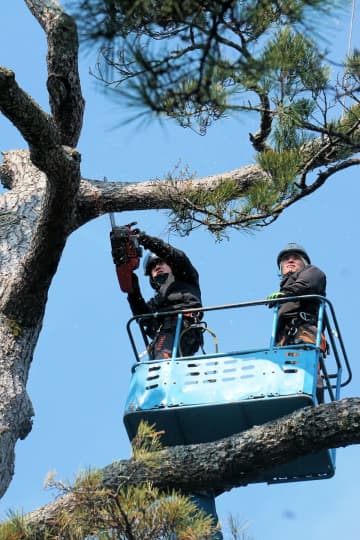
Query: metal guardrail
point(327, 321)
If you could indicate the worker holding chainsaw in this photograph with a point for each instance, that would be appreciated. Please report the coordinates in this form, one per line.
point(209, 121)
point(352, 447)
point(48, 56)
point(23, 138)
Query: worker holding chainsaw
point(175, 281)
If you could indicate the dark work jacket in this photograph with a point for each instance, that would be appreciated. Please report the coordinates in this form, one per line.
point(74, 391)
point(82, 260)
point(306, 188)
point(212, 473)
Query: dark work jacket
point(181, 290)
point(309, 280)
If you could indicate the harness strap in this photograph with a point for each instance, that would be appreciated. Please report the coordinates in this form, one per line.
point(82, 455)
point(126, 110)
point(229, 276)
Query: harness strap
point(308, 317)
point(292, 328)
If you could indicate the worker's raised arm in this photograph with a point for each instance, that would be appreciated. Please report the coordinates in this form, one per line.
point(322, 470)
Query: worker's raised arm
point(180, 264)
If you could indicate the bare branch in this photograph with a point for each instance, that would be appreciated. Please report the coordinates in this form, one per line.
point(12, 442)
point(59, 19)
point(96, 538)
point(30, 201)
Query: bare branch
point(63, 83)
point(36, 126)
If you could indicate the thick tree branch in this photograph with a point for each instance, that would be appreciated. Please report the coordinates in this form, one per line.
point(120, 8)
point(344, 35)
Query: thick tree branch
point(36, 126)
point(63, 83)
point(96, 198)
point(234, 461)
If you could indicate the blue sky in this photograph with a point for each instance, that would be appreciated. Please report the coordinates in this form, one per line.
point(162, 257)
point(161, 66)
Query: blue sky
point(81, 368)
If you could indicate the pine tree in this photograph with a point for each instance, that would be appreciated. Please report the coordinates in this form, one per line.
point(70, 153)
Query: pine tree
point(202, 61)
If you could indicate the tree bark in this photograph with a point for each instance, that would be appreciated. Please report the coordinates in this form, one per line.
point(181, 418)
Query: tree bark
point(36, 217)
point(232, 462)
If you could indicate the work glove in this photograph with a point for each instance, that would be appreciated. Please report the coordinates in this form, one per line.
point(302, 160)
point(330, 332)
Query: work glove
point(142, 237)
point(274, 296)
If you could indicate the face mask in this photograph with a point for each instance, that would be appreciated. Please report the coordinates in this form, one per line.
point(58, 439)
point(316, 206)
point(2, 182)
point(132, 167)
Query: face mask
point(160, 279)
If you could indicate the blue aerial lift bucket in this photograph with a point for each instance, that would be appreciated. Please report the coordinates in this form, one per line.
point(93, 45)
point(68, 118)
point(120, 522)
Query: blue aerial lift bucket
point(207, 397)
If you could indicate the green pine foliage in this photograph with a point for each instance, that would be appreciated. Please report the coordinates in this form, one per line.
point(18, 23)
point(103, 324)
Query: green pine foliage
point(192, 60)
point(197, 62)
point(188, 212)
point(96, 512)
point(15, 528)
point(352, 67)
point(133, 513)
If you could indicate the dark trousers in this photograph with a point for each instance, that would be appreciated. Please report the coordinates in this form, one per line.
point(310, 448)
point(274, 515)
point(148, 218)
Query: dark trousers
point(189, 343)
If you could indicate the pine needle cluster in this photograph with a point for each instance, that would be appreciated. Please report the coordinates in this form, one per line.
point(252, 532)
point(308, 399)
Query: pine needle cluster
point(95, 512)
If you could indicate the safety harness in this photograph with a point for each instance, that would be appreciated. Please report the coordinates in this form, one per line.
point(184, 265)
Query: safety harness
point(302, 329)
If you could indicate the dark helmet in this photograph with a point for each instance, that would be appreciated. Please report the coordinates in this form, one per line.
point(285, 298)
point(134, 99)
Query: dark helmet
point(294, 248)
point(149, 262)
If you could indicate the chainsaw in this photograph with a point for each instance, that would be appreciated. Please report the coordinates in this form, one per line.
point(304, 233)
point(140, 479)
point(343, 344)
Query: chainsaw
point(126, 253)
